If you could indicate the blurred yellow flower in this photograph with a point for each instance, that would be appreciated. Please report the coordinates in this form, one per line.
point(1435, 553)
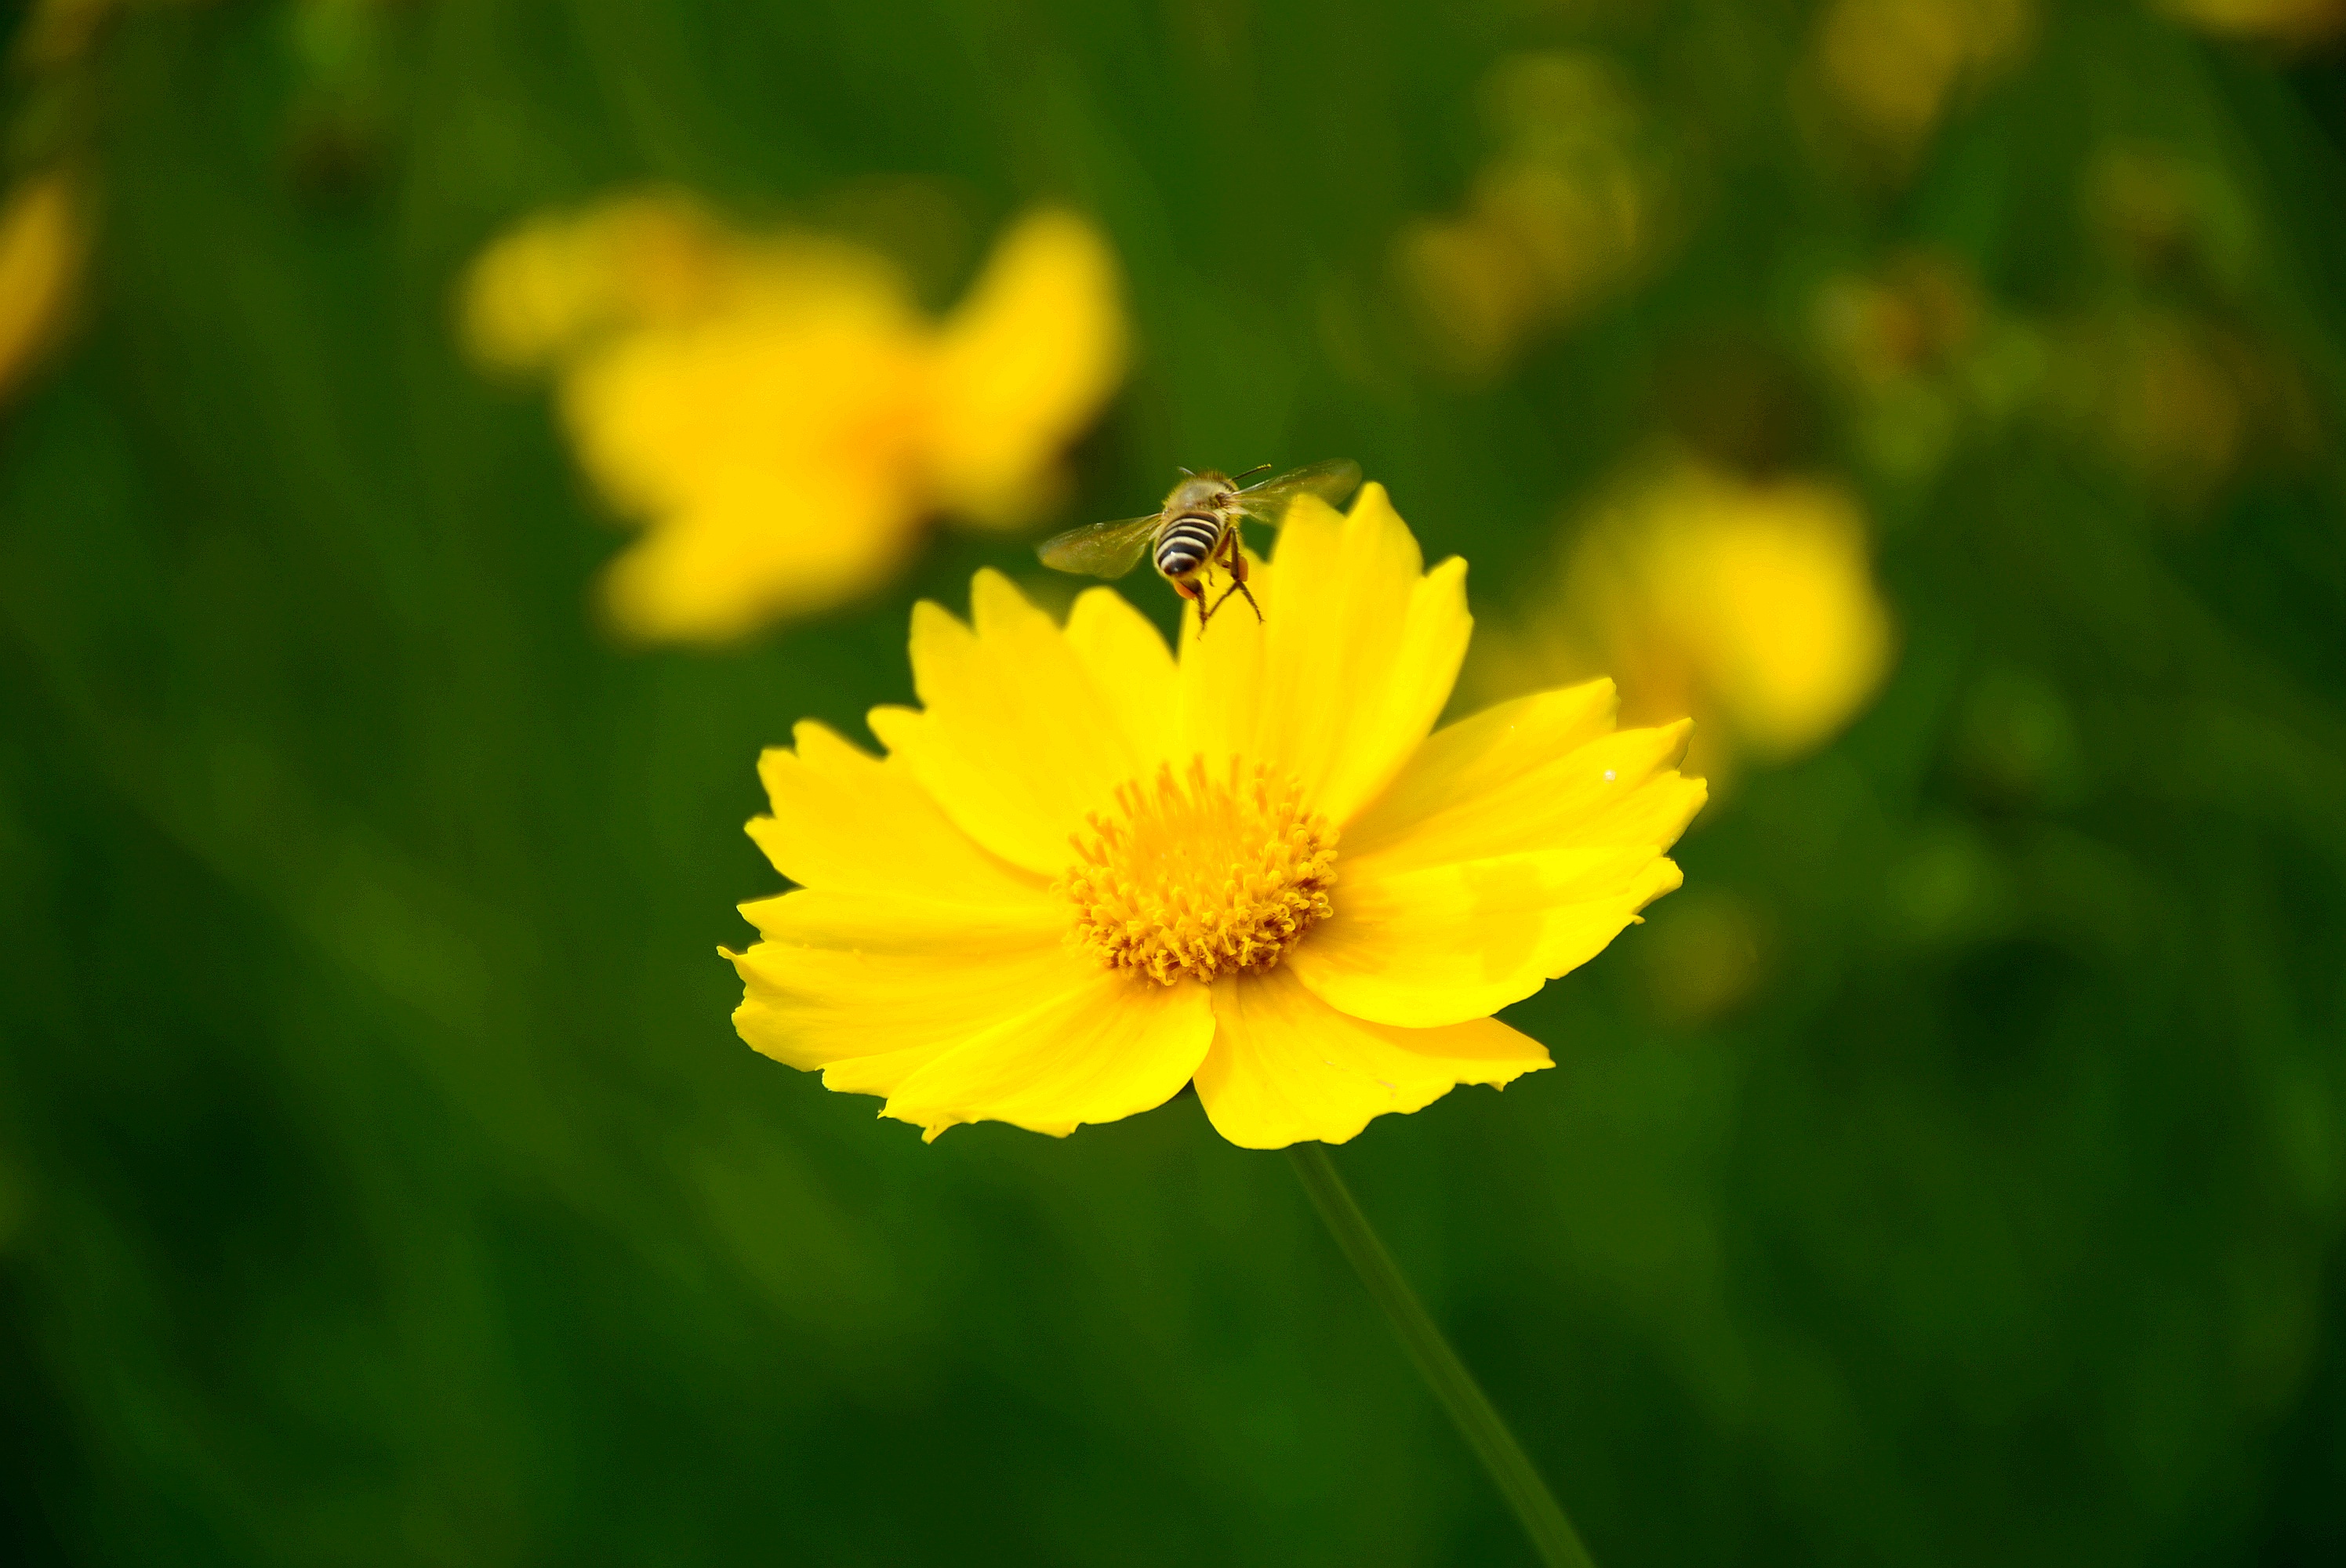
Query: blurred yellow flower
point(1564, 211)
point(2282, 21)
point(41, 243)
point(58, 32)
point(1750, 604)
point(777, 410)
point(2183, 402)
point(2160, 212)
point(1892, 66)
point(1924, 359)
point(1913, 319)
point(1086, 874)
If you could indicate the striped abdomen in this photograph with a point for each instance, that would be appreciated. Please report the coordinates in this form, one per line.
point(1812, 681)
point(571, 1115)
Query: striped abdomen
point(1185, 544)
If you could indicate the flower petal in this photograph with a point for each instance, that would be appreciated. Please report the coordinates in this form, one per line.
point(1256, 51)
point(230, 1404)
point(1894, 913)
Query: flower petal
point(1512, 849)
point(1105, 1047)
point(1015, 742)
point(1129, 662)
point(1286, 1068)
point(868, 987)
point(890, 926)
point(1446, 943)
point(1222, 676)
point(1023, 365)
point(715, 570)
point(1544, 772)
point(848, 821)
point(42, 240)
point(1355, 661)
point(762, 497)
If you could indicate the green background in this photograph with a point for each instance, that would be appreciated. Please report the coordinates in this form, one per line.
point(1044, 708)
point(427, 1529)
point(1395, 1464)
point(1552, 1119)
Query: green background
point(380, 1180)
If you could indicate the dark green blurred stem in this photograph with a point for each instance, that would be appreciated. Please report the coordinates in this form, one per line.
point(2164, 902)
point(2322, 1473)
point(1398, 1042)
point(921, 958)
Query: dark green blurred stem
point(1552, 1533)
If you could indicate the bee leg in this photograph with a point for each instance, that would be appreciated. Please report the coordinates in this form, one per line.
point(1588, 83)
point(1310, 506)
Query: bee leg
point(1188, 588)
point(1237, 565)
point(1238, 575)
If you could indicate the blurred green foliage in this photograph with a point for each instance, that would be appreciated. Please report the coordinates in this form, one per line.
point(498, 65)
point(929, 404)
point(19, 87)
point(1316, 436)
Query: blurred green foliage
point(380, 1181)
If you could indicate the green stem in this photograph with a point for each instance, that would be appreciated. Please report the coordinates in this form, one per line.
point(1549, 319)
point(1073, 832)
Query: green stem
point(1552, 1533)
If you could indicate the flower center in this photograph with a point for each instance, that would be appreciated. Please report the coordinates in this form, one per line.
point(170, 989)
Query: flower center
point(1197, 876)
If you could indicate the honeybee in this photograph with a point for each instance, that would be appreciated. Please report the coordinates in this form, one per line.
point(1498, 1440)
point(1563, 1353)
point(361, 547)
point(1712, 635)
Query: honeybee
point(1197, 530)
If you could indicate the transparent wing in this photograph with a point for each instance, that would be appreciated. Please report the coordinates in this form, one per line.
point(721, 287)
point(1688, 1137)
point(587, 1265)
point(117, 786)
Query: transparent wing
point(1330, 480)
point(1100, 549)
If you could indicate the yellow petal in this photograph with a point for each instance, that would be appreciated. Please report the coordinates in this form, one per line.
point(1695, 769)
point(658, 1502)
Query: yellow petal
point(886, 923)
point(1356, 661)
point(847, 822)
point(714, 572)
point(41, 243)
point(1129, 662)
point(1468, 760)
point(1450, 942)
point(1221, 676)
point(1105, 1047)
point(1024, 364)
point(1753, 602)
point(1793, 637)
point(1015, 742)
point(1483, 787)
point(1286, 1067)
point(868, 987)
point(556, 281)
point(770, 459)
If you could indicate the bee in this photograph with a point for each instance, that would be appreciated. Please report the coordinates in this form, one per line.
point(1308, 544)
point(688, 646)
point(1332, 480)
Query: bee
point(1197, 530)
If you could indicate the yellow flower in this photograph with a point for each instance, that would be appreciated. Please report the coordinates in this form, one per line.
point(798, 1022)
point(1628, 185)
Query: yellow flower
point(1568, 210)
point(1893, 64)
point(40, 257)
point(1085, 874)
point(778, 411)
point(1748, 602)
point(2291, 22)
point(59, 32)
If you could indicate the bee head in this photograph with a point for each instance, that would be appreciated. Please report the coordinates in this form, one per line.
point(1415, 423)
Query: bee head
point(1199, 491)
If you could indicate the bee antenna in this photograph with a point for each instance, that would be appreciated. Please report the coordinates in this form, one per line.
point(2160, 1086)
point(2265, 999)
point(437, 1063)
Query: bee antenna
point(1257, 468)
point(1183, 472)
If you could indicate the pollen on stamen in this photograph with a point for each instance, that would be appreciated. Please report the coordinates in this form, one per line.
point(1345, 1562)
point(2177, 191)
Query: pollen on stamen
point(1195, 875)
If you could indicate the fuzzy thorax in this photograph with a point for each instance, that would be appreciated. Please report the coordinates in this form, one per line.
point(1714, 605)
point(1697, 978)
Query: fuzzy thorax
point(1194, 876)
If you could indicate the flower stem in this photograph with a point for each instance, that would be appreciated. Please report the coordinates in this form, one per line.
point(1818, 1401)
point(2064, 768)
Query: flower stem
point(1536, 1507)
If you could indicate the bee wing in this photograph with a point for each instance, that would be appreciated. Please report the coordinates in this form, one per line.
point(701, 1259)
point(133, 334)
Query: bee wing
point(1331, 482)
point(1100, 549)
